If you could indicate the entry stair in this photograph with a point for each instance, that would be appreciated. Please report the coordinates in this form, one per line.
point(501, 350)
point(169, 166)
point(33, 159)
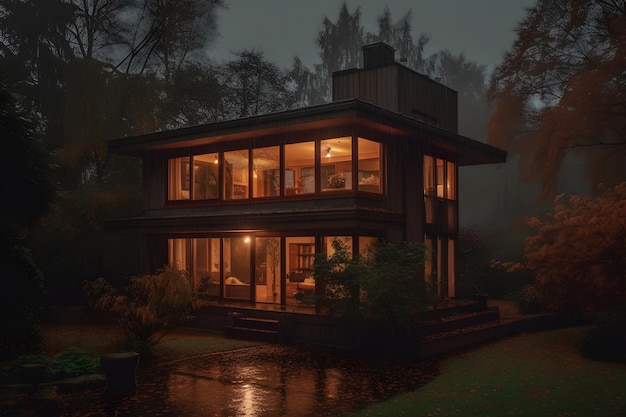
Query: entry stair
point(253, 328)
point(460, 330)
point(444, 330)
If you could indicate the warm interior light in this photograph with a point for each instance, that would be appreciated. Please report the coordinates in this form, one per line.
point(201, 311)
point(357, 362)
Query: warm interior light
point(255, 173)
point(216, 160)
point(246, 239)
point(328, 152)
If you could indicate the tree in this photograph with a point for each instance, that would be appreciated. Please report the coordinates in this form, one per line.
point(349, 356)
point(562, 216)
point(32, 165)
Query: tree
point(148, 308)
point(340, 46)
point(97, 27)
point(254, 86)
point(578, 255)
point(166, 34)
point(28, 194)
point(561, 91)
point(399, 35)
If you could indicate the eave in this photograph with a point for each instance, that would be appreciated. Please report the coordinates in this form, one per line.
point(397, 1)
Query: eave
point(324, 116)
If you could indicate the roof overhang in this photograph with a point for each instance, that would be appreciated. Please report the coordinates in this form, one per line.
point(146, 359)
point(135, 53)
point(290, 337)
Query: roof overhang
point(324, 116)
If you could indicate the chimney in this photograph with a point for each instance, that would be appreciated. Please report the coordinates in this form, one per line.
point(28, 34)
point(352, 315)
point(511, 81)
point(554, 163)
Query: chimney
point(377, 55)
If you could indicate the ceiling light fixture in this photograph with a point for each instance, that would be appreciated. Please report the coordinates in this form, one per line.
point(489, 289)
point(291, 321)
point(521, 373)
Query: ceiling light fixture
point(216, 160)
point(328, 152)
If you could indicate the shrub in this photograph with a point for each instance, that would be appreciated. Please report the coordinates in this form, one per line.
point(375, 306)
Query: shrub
point(68, 364)
point(21, 299)
point(148, 308)
point(606, 340)
point(383, 285)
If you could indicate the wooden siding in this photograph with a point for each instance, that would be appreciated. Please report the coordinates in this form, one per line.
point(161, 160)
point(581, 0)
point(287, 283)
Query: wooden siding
point(401, 90)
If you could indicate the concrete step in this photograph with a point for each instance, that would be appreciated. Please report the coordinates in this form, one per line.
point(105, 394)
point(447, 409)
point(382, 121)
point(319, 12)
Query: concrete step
point(459, 321)
point(462, 338)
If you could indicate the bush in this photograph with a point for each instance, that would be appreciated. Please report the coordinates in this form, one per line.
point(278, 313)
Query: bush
point(148, 308)
point(68, 364)
point(21, 299)
point(606, 340)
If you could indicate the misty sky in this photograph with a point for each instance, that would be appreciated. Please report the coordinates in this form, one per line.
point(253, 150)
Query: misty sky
point(282, 29)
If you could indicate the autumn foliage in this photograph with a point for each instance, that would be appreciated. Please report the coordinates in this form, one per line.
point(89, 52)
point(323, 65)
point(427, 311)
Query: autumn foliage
point(561, 89)
point(578, 254)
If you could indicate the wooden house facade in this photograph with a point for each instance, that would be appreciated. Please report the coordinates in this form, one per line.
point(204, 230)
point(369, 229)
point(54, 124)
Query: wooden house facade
point(244, 205)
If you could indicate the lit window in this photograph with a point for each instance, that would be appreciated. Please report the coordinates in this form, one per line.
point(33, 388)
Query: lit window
point(266, 171)
point(178, 181)
point(205, 177)
point(236, 178)
point(336, 164)
point(300, 168)
point(369, 178)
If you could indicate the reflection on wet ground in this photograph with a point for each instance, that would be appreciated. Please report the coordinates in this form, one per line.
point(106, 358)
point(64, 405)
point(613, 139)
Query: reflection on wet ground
point(260, 381)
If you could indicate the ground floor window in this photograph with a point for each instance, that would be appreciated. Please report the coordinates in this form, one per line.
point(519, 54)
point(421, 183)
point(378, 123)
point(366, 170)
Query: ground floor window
point(439, 265)
point(263, 269)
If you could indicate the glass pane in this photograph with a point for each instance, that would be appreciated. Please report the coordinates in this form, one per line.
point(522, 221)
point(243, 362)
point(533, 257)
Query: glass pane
point(300, 168)
point(370, 175)
point(207, 267)
point(205, 177)
point(300, 285)
point(267, 273)
point(266, 171)
point(336, 161)
point(365, 242)
point(440, 178)
point(178, 178)
point(451, 181)
point(345, 241)
point(179, 254)
point(236, 174)
point(237, 267)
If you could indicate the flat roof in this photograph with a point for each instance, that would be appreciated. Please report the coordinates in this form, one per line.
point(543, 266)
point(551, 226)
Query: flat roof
point(329, 115)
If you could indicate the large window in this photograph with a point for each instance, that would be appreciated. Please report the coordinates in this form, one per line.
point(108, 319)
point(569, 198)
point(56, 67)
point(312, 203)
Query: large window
point(300, 283)
point(369, 166)
point(236, 256)
point(300, 168)
point(336, 164)
point(266, 171)
point(236, 178)
point(267, 261)
point(205, 177)
point(260, 172)
point(178, 179)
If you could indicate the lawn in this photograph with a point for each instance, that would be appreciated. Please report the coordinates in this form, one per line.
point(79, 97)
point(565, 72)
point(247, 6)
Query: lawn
point(538, 374)
point(100, 338)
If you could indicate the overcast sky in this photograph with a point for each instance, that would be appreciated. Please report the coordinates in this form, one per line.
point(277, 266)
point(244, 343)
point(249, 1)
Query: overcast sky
point(283, 29)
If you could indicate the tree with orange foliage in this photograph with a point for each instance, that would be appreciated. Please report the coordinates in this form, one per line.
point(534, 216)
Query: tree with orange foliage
point(562, 89)
point(578, 254)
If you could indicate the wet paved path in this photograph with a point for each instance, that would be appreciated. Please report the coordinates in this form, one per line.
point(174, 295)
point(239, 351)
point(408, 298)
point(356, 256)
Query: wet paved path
point(260, 381)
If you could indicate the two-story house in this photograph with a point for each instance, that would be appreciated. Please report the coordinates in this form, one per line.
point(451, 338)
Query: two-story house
point(243, 205)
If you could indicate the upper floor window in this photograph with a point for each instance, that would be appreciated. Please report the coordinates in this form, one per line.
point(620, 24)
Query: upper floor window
point(340, 165)
point(236, 174)
point(439, 178)
point(300, 168)
point(369, 166)
point(200, 183)
point(439, 183)
point(266, 171)
point(336, 164)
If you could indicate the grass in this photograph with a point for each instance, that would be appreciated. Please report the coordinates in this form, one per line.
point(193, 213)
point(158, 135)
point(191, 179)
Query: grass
point(178, 344)
point(540, 374)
